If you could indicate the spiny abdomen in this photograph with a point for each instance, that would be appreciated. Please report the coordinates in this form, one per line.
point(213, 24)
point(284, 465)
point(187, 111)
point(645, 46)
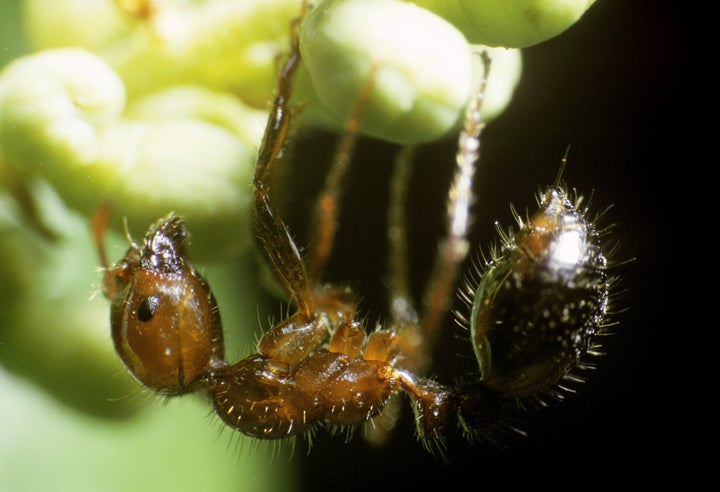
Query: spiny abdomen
point(541, 301)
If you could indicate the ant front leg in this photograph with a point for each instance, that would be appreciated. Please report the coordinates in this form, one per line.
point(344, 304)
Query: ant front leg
point(292, 340)
point(289, 385)
point(319, 364)
point(274, 239)
point(258, 395)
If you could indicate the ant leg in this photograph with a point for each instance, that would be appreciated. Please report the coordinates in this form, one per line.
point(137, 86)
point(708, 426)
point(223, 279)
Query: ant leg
point(453, 249)
point(272, 234)
point(416, 335)
point(402, 308)
point(100, 220)
point(404, 337)
point(325, 215)
point(419, 333)
point(115, 277)
point(401, 304)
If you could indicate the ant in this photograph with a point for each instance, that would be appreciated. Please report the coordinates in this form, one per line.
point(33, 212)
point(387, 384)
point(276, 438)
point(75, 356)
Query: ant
point(536, 307)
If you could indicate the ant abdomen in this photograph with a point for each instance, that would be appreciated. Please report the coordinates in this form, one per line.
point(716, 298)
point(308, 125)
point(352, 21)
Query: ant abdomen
point(541, 300)
point(165, 322)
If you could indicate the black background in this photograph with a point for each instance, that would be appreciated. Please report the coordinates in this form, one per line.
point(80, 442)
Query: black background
point(614, 88)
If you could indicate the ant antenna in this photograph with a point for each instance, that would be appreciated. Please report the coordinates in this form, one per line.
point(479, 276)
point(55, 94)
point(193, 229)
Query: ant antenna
point(128, 236)
point(100, 221)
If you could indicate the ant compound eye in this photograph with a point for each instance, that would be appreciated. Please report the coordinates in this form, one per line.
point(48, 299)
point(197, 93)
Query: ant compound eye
point(540, 302)
point(147, 308)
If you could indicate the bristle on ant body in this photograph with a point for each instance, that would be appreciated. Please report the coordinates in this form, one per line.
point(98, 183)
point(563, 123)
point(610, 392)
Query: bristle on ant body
point(535, 311)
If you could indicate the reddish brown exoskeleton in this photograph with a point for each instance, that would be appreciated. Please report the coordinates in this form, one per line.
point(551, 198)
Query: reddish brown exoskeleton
point(535, 310)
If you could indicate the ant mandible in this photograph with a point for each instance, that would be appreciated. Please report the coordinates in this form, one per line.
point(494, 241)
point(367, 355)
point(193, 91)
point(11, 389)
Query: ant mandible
point(535, 310)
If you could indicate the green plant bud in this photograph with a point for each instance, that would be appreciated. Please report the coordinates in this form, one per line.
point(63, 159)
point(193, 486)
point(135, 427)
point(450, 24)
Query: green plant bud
point(200, 103)
point(512, 24)
point(187, 150)
point(90, 24)
point(197, 169)
point(504, 77)
point(225, 45)
point(53, 105)
point(231, 45)
point(421, 66)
